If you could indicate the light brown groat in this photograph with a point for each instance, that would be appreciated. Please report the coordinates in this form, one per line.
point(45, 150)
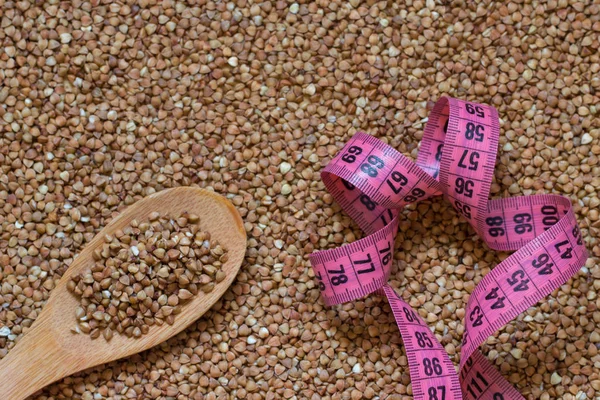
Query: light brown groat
point(145, 274)
point(104, 103)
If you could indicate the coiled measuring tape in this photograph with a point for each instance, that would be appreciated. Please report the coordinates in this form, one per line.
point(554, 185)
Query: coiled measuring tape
point(372, 181)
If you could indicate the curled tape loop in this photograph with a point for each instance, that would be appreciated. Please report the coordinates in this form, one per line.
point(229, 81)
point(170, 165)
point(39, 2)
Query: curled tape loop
point(372, 182)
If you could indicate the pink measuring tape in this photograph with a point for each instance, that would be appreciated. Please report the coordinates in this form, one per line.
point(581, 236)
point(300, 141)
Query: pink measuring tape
point(372, 181)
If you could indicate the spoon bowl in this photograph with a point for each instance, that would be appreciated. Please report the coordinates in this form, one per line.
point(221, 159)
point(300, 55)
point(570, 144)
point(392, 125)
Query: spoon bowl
point(50, 351)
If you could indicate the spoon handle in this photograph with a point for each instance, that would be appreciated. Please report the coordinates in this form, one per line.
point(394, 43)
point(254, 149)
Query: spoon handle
point(35, 362)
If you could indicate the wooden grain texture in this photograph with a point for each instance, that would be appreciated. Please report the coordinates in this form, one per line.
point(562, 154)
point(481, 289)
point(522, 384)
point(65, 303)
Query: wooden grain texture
point(50, 351)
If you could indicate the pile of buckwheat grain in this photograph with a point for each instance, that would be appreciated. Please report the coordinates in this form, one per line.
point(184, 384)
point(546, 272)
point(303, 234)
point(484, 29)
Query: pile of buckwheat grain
point(104, 103)
point(144, 274)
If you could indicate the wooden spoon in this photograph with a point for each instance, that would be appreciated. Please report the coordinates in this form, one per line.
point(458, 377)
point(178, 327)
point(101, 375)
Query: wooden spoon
point(50, 351)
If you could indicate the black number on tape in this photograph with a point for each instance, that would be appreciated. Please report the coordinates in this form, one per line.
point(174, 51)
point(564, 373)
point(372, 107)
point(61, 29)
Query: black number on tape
point(551, 216)
point(464, 186)
point(350, 156)
point(423, 340)
point(399, 179)
point(433, 393)
point(366, 200)
point(474, 388)
point(495, 223)
point(411, 316)
point(476, 316)
point(432, 366)
point(477, 110)
point(568, 253)
point(522, 220)
point(474, 131)
point(414, 195)
point(473, 160)
point(390, 215)
point(348, 185)
point(542, 261)
point(367, 261)
point(339, 278)
point(517, 280)
point(320, 279)
point(386, 253)
point(464, 209)
point(577, 235)
point(438, 154)
point(373, 164)
point(465, 338)
point(493, 295)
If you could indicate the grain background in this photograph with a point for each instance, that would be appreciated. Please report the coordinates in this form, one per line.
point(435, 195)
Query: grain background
point(103, 103)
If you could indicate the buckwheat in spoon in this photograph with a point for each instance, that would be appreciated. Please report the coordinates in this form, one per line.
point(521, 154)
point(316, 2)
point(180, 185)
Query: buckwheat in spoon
point(146, 276)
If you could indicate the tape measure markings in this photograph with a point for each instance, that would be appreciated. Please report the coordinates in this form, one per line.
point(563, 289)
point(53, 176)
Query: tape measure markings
point(372, 182)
